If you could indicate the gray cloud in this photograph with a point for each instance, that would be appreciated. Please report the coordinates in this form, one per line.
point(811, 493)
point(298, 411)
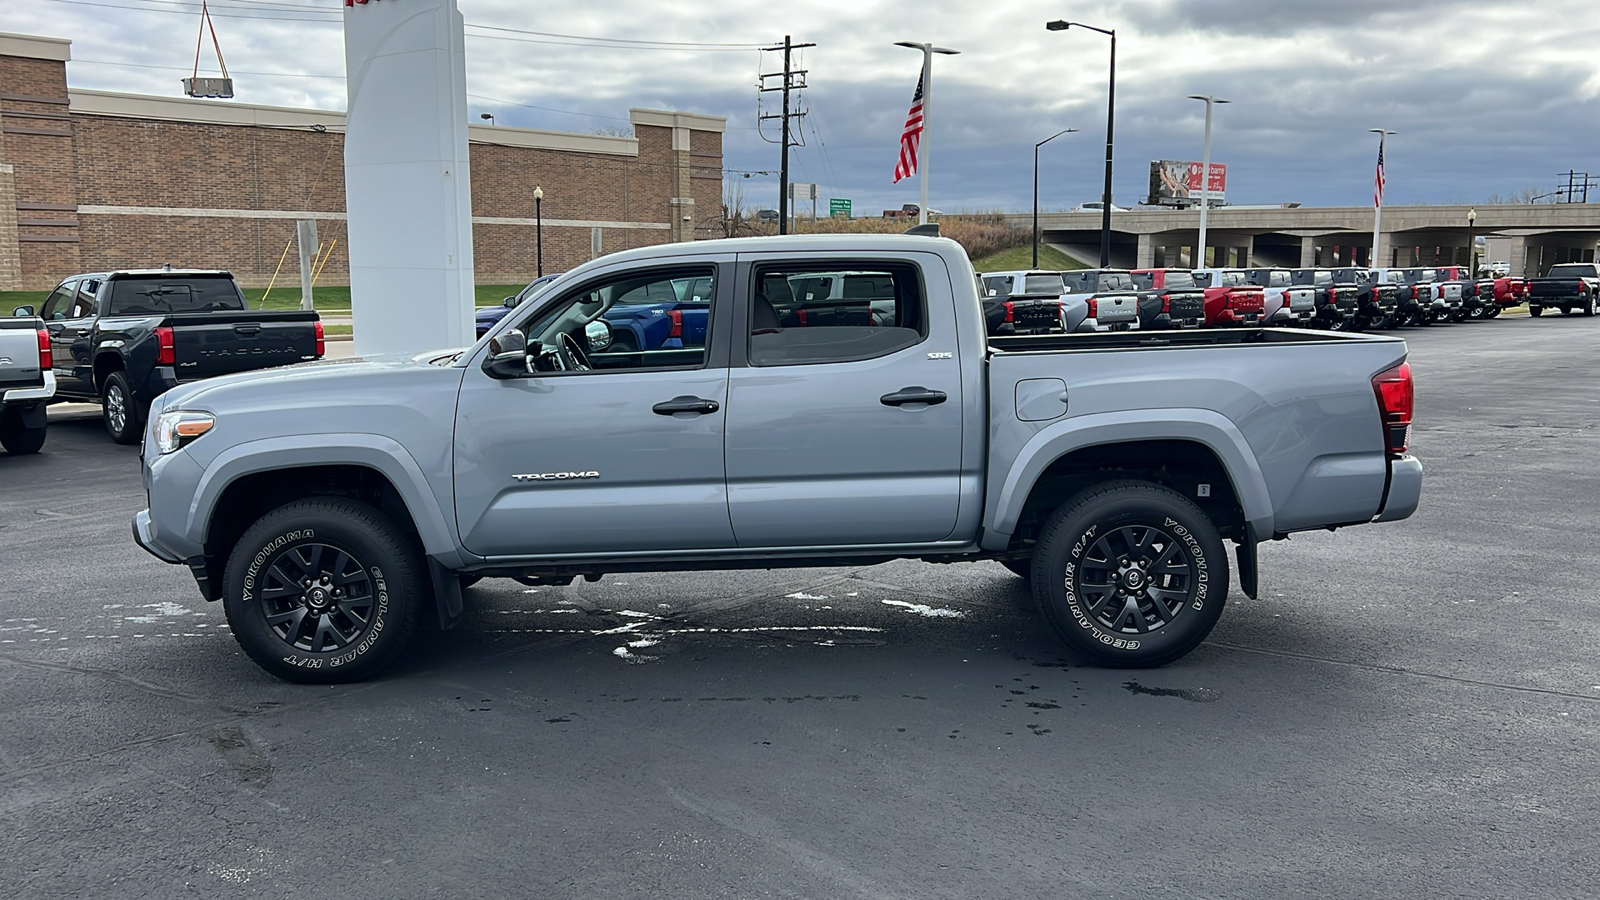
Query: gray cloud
point(1489, 98)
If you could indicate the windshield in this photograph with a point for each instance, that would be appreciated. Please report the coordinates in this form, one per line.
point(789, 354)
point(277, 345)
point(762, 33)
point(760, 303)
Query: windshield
point(156, 295)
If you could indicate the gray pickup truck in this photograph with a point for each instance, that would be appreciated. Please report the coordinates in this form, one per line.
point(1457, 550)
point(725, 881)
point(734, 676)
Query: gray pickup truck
point(331, 505)
point(26, 383)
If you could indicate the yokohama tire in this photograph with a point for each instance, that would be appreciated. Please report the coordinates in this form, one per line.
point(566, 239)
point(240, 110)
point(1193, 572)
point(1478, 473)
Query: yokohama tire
point(16, 437)
point(1588, 305)
point(1022, 568)
point(324, 590)
point(119, 411)
point(1130, 574)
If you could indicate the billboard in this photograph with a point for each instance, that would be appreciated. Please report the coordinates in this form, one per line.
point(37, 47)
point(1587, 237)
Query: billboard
point(1174, 183)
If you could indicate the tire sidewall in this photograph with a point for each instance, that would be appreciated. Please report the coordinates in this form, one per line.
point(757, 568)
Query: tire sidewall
point(17, 437)
point(1060, 566)
point(118, 382)
point(340, 524)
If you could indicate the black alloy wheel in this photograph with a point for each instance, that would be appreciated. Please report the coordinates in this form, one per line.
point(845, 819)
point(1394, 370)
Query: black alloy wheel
point(1130, 574)
point(1588, 305)
point(119, 410)
point(323, 590)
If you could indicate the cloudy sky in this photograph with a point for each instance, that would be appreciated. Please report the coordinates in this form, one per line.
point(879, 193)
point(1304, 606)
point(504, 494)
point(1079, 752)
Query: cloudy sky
point(1489, 98)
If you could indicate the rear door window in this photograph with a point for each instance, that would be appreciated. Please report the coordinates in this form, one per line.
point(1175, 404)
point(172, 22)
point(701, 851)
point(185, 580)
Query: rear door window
point(867, 311)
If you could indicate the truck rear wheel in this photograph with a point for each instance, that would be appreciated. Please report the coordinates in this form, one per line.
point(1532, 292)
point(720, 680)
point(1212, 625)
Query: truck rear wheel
point(1535, 310)
point(1130, 574)
point(16, 436)
point(1588, 305)
point(324, 590)
point(119, 411)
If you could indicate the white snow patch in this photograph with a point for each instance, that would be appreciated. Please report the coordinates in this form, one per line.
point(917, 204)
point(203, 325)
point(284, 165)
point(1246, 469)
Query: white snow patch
point(642, 643)
point(625, 654)
point(922, 609)
point(637, 615)
point(802, 595)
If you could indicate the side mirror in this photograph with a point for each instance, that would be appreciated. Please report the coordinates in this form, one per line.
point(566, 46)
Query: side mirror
point(23, 311)
point(508, 355)
point(598, 334)
point(509, 302)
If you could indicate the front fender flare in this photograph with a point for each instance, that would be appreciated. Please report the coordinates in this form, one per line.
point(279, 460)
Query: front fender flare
point(1203, 426)
point(374, 451)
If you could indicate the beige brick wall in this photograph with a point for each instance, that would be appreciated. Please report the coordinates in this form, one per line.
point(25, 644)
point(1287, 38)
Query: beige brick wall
point(93, 160)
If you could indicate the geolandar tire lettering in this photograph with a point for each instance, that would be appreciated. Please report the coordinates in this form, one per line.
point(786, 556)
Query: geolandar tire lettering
point(323, 590)
point(1130, 574)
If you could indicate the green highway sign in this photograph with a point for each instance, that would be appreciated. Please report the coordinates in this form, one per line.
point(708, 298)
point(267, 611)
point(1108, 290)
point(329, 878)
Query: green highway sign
point(838, 208)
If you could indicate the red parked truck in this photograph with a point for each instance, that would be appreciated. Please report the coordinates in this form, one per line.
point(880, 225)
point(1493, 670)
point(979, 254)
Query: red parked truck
point(1231, 300)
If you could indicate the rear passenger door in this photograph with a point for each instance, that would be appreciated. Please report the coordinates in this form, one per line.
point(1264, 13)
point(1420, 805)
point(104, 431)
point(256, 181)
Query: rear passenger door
point(844, 434)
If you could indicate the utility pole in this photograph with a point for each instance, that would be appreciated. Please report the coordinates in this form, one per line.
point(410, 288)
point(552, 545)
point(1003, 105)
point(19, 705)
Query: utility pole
point(789, 84)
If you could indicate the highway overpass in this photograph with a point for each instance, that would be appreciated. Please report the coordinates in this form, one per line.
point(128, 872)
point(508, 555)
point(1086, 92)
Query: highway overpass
point(1531, 237)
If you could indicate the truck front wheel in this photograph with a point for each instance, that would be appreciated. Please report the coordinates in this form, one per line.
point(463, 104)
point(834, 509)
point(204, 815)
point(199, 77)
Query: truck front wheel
point(1130, 574)
point(323, 590)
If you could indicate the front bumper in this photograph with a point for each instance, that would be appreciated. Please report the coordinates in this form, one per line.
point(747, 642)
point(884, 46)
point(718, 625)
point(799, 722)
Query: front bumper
point(144, 534)
point(1405, 489)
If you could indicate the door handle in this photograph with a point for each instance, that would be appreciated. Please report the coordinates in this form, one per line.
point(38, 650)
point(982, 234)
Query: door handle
point(916, 394)
point(685, 404)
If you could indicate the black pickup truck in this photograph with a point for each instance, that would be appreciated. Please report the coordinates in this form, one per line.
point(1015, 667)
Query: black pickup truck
point(121, 339)
point(1376, 300)
point(1568, 287)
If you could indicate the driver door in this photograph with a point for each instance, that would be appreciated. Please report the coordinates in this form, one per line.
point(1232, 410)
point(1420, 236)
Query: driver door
point(625, 456)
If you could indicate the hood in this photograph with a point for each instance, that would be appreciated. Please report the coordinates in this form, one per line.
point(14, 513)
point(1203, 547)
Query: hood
point(301, 377)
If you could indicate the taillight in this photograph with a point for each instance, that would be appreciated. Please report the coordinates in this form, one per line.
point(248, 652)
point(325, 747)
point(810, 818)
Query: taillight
point(677, 323)
point(1166, 303)
point(801, 315)
point(1010, 311)
point(1094, 309)
point(322, 341)
point(1396, 399)
point(47, 358)
point(166, 350)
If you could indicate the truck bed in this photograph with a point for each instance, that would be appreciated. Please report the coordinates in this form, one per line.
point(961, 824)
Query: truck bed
point(1294, 409)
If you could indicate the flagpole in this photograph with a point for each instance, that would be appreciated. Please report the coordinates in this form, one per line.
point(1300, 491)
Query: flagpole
point(922, 142)
point(1377, 201)
point(927, 102)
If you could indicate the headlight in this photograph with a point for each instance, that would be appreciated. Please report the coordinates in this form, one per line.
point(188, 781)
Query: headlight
point(179, 427)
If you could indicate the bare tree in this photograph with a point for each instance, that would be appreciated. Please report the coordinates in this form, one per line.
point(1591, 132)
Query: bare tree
point(613, 130)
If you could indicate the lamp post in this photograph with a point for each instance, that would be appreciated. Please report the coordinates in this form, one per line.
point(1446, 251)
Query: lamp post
point(928, 50)
point(538, 229)
point(1111, 117)
point(1472, 245)
point(489, 117)
point(1205, 174)
point(1377, 195)
point(1036, 190)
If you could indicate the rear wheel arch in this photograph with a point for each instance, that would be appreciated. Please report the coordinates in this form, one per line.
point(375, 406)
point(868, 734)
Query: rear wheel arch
point(104, 364)
point(1184, 465)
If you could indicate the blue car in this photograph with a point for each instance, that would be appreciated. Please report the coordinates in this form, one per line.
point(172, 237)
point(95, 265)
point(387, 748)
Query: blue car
point(661, 319)
point(488, 316)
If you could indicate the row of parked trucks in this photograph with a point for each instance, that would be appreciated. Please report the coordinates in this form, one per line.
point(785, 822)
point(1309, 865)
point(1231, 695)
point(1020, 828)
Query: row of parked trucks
point(1334, 299)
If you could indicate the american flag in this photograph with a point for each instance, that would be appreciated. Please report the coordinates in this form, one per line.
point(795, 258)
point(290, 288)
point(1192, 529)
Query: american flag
point(910, 138)
point(1378, 180)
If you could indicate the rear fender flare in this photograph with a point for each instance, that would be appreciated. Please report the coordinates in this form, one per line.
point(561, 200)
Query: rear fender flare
point(374, 451)
point(1203, 426)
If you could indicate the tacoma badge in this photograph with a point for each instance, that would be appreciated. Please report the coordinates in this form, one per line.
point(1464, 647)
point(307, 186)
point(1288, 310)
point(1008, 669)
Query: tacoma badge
point(556, 476)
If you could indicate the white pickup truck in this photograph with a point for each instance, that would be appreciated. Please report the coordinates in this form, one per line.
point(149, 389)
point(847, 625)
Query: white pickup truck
point(26, 383)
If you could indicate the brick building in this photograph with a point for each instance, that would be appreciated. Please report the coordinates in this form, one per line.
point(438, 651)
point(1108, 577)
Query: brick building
point(95, 180)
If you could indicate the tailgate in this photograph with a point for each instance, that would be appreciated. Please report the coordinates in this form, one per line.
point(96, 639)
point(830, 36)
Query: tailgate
point(19, 352)
point(1186, 306)
point(1036, 315)
point(208, 344)
point(1542, 288)
point(1110, 308)
point(1247, 300)
point(1302, 300)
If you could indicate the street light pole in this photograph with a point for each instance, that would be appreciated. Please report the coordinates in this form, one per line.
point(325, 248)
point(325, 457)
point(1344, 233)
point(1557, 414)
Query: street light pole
point(1377, 198)
point(1036, 190)
point(1111, 118)
point(538, 229)
point(1205, 175)
point(1472, 244)
point(927, 104)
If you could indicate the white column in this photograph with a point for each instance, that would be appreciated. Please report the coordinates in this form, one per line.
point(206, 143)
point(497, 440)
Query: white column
point(407, 188)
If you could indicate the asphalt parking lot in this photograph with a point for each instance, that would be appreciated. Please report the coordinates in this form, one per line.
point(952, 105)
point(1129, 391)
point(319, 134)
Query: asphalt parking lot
point(1410, 710)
